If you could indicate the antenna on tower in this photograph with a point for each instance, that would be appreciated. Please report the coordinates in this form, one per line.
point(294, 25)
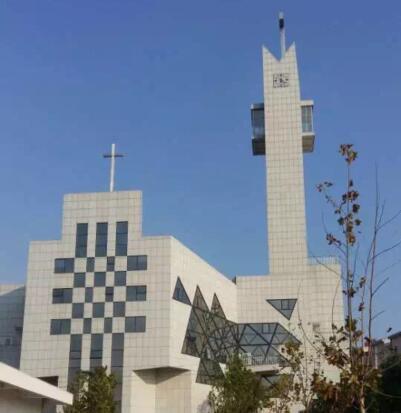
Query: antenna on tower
point(282, 33)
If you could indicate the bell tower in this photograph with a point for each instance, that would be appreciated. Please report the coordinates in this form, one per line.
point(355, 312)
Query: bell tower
point(283, 131)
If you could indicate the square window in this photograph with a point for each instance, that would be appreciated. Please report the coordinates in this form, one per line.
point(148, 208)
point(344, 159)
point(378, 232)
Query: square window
point(110, 263)
point(100, 279)
point(108, 325)
point(87, 325)
point(77, 310)
point(137, 262)
point(119, 309)
point(98, 310)
point(135, 324)
point(120, 278)
point(136, 293)
point(117, 341)
point(90, 264)
point(142, 262)
point(60, 326)
point(62, 295)
point(88, 294)
point(109, 294)
point(63, 265)
point(79, 279)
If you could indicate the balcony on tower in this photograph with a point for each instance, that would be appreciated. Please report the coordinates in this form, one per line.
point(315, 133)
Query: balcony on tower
point(258, 127)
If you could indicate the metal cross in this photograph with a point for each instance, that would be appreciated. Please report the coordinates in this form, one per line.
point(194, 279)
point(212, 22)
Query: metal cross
point(113, 155)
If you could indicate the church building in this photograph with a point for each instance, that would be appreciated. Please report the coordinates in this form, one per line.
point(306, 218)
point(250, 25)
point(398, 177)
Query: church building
point(160, 317)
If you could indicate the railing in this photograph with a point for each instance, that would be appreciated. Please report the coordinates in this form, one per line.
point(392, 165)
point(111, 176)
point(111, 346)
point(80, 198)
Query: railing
point(250, 360)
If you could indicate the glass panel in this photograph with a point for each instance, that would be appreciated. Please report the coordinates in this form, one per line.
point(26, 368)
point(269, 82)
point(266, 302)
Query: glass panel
point(110, 263)
point(307, 125)
point(87, 325)
point(135, 324)
point(96, 352)
point(90, 264)
point(119, 309)
point(100, 279)
point(79, 279)
point(63, 265)
point(120, 278)
point(258, 122)
point(137, 262)
point(108, 325)
point(180, 294)
point(81, 241)
point(121, 238)
point(62, 295)
point(136, 293)
point(88, 294)
point(101, 239)
point(98, 310)
point(77, 310)
point(109, 294)
point(62, 326)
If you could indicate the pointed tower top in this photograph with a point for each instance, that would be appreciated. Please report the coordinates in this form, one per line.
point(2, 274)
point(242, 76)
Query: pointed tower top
point(282, 33)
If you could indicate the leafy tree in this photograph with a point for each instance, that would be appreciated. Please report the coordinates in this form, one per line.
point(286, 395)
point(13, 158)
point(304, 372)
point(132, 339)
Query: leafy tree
point(239, 390)
point(348, 347)
point(93, 392)
point(387, 399)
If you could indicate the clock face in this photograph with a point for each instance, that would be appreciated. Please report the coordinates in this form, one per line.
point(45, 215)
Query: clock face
point(281, 80)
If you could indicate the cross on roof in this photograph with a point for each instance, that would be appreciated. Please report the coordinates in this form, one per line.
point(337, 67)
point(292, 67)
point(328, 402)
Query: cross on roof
point(113, 155)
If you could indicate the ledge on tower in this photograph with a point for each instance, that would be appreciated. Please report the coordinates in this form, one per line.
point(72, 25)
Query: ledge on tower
point(258, 127)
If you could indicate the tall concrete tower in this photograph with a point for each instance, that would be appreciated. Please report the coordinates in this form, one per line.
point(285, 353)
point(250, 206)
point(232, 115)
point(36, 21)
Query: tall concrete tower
point(283, 131)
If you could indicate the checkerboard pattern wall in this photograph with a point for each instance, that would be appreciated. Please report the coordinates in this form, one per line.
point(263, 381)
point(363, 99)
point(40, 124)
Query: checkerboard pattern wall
point(97, 299)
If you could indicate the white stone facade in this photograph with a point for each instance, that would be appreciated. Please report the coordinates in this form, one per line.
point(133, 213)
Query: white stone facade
point(104, 294)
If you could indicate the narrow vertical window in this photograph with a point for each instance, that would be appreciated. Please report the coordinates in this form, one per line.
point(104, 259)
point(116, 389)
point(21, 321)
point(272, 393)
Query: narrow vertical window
point(121, 238)
point(117, 360)
point(96, 353)
point(81, 240)
point(307, 120)
point(101, 239)
point(74, 363)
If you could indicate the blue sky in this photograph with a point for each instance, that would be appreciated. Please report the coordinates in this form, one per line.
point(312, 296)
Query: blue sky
point(171, 83)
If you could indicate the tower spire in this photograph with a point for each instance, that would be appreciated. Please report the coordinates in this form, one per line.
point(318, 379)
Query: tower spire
point(282, 33)
point(113, 155)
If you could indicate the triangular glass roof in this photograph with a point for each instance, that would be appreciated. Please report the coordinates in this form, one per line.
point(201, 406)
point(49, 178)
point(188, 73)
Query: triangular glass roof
point(284, 306)
point(217, 308)
point(180, 294)
point(199, 301)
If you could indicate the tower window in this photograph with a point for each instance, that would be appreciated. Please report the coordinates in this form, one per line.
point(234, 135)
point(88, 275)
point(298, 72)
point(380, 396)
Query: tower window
point(101, 239)
point(121, 238)
point(81, 241)
point(307, 123)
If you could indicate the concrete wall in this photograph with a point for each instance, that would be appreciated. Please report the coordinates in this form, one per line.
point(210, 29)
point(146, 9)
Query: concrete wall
point(12, 402)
